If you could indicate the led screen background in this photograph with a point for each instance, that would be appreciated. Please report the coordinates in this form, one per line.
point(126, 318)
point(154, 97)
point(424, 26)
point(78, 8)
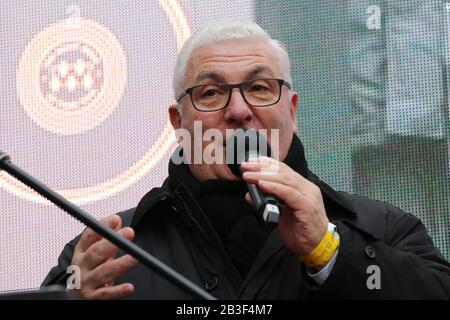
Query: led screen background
point(86, 86)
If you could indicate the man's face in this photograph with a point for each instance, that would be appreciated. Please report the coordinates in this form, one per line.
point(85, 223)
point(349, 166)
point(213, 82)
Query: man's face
point(234, 61)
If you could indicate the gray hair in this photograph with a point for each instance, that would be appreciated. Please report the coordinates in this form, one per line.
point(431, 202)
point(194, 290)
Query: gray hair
point(217, 31)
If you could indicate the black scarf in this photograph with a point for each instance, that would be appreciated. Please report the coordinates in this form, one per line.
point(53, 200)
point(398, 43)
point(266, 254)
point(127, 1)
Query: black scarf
point(242, 233)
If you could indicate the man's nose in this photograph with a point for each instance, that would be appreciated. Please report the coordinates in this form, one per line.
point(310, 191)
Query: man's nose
point(238, 109)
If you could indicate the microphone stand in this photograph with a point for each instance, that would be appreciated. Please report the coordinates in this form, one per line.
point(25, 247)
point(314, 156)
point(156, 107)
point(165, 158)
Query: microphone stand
point(125, 245)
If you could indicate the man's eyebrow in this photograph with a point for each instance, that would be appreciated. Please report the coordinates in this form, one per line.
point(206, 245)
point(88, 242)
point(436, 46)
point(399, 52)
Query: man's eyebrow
point(204, 75)
point(213, 75)
point(259, 69)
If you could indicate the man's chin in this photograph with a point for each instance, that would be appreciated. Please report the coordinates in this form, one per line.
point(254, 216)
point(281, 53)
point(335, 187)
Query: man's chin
point(203, 172)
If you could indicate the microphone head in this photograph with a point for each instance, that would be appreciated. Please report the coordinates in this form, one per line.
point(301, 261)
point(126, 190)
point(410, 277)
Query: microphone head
point(243, 144)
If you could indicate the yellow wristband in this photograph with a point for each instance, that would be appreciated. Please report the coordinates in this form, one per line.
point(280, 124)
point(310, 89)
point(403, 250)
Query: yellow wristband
point(323, 252)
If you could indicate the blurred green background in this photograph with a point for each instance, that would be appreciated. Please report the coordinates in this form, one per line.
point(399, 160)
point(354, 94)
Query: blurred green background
point(373, 111)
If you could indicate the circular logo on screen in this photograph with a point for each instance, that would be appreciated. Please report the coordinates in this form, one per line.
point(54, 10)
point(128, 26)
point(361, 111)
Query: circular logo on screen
point(72, 76)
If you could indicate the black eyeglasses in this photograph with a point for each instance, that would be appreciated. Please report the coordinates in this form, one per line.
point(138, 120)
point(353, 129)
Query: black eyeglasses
point(216, 96)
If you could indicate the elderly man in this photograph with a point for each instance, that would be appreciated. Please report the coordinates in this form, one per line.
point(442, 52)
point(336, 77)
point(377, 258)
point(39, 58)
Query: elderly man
point(327, 244)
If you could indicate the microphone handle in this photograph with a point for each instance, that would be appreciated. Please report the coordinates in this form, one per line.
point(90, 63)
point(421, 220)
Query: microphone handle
point(125, 245)
point(257, 196)
point(267, 206)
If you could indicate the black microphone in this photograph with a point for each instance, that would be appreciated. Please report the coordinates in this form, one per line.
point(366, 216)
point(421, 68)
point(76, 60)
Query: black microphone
point(125, 245)
point(242, 145)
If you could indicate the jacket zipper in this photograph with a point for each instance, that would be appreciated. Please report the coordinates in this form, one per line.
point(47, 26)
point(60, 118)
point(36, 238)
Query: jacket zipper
point(191, 216)
point(235, 290)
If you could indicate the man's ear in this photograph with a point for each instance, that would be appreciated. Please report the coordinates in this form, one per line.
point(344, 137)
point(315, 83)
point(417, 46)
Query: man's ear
point(175, 116)
point(293, 109)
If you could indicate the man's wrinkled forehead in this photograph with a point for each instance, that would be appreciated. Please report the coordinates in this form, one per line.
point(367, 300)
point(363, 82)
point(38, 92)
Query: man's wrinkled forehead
point(241, 58)
point(257, 71)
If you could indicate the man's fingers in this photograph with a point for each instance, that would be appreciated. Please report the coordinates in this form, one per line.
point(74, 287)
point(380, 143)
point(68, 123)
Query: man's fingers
point(273, 170)
point(295, 200)
point(261, 163)
point(89, 236)
point(114, 292)
point(260, 159)
point(108, 272)
point(255, 176)
point(251, 176)
point(102, 250)
point(288, 178)
point(251, 166)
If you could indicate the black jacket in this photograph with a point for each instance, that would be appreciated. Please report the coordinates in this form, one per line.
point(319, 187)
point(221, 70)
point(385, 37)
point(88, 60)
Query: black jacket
point(170, 224)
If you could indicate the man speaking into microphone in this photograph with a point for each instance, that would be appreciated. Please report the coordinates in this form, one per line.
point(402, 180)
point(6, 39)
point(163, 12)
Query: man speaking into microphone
point(203, 223)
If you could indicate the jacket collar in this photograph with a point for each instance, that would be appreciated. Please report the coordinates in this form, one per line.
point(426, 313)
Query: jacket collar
point(151, 199)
